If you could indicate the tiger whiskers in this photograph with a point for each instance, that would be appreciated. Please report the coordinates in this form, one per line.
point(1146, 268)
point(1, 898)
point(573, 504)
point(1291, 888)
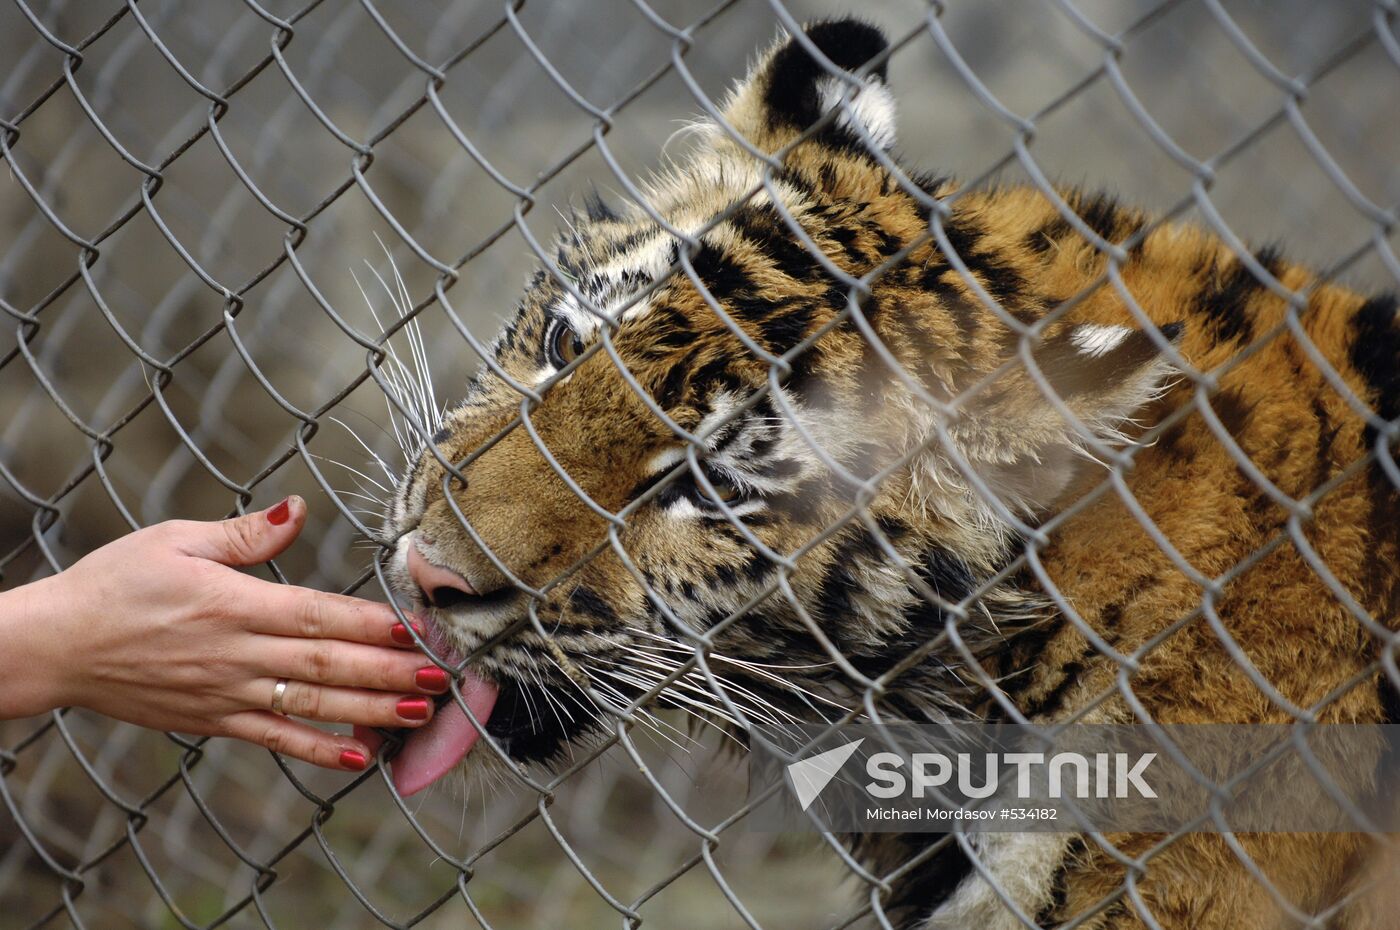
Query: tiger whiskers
point(658, 647)
point(552, 704)
point(412, 387)
point(389, 473)
point(409, 396)
point(652, 723)
point(358, 477)
point(689, 692)
point(695, 681)
point(703, 694)
point(651, 720)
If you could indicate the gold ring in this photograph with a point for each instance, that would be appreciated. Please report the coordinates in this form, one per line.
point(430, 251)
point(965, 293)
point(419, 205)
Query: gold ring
point(277, 694)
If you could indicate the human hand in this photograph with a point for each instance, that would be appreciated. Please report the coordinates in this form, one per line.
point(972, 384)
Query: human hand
point(158, 630)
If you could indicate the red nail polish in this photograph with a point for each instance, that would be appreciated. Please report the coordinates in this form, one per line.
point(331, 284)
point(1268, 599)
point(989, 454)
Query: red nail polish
point(279, 514)
point(431, 678)
point(353, 760)
point(399, 634)
point(414, 708)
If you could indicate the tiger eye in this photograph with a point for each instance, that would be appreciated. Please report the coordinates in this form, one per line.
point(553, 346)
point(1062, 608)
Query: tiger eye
point(564, 345)
point(726, 491)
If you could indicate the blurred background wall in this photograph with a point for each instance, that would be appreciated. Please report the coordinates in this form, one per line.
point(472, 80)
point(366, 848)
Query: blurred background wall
point(84, 438)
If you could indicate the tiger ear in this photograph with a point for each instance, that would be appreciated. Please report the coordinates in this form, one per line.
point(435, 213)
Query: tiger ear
point(1019, 440)
point(789, 89)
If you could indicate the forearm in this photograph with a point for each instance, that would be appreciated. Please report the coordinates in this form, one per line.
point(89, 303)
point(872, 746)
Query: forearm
point(29, 677)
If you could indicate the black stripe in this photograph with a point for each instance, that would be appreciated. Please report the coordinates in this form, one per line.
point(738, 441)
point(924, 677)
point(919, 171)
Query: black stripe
point(650, 483)
point(919, 892)
point(790, 94)
point(1326, 437)
point(1049, 233)
point(1102, 214)
point(598, 209)
point(845, 236)
point(1026, 651)
point(758, 565)
point(1051, 700)
point(928, 182)
point(999, 278)
point(889, 243)
point(715, 374)
point(1389, 693)
point(782, 331)
point(965, 236)
point(670, 392)
point(1375, 354)
point(1225, 298)
point(1233, 411)
point(723, 277)
point(764, 229)
point(1059, 888)
point(584, 600)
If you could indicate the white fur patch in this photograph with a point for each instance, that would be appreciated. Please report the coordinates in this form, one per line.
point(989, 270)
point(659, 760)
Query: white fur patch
point(579, 319)
point(873, 107)
point(683, 509)
point(664, 460)
point(720, 407)
point(1095, 339)
point(1023, 864)
point(651, 258)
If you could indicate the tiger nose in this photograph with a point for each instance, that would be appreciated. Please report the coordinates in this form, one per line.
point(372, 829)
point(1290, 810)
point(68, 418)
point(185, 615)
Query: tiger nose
point(441, 587)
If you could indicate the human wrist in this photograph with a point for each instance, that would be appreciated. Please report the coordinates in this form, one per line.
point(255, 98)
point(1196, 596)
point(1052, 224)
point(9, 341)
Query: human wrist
point(32, 679)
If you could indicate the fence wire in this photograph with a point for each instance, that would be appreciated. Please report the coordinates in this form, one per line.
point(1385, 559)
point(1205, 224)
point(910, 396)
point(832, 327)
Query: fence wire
point(191, 191)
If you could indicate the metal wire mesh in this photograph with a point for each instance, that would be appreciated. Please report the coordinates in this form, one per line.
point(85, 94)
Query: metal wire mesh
point(188, 186)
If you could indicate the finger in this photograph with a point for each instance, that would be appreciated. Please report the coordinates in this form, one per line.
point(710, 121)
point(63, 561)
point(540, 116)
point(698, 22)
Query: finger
point(286, 610)
point(298, 740)
point(343, 705)
point(330, 662)
point(247, 540)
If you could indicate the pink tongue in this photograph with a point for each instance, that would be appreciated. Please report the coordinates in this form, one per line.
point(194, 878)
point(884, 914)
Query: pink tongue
point(433, 750)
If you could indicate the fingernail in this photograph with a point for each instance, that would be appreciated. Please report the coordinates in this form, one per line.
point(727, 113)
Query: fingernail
point(431, 678)
point(278, 515)
point(414, 708)
point(352, 760)
point(401, 633)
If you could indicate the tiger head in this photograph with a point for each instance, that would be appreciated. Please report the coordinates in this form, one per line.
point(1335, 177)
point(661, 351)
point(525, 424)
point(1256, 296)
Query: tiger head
point(707, 456)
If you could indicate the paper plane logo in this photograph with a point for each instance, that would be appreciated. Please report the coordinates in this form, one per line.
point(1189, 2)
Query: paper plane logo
point(811, 776)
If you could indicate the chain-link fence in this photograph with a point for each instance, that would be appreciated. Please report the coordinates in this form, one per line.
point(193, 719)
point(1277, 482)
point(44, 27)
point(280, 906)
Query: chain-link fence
point(191, 192)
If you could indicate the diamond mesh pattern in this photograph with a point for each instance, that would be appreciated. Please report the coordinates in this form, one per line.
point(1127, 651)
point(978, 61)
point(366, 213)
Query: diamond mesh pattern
point(189, 188)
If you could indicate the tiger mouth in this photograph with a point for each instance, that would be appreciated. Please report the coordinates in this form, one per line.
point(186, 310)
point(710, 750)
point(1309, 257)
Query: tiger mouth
point(513, 713)
point(450, 599)
point(433, 750)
